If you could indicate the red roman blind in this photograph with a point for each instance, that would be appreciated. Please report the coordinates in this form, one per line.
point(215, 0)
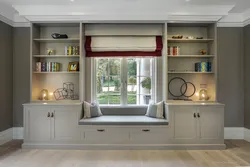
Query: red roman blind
point(117, 46)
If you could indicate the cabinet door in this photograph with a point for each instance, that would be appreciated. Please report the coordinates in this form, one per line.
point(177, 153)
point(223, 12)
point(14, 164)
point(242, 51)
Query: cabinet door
point(64, 123)
point(185, 123)
point(211, 122)
point(37, 124)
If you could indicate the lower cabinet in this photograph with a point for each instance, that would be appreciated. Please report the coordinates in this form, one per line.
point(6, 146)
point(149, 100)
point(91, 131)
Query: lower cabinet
point(198, 124)
point(37, 124)
point(185, 124)
point(189, 125)
point(65, 124)
point(49, 123)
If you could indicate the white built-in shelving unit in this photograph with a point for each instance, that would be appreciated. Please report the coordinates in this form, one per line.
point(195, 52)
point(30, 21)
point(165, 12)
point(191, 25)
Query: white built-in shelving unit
point(183, 65)
point(41, 40)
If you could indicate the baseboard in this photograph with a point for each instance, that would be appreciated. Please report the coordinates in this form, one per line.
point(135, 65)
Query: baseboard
point(18, 133)
point(125, 146)
point(234, 133)
point(247, 134)
point(6, 136)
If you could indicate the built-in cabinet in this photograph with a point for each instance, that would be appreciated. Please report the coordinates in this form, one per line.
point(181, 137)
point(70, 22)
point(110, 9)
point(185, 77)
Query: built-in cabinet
point(189, 125)
point(51, 123)
point(55, 124)
point(197, 123)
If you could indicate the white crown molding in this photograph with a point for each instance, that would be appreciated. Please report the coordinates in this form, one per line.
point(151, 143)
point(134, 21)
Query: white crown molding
point(6, 20)
point(6, 136)
point(193, 18)
point(231, 20)
point(230, 24)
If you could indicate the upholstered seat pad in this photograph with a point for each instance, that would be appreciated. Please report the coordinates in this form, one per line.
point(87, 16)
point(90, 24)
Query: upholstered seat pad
point(123, 120)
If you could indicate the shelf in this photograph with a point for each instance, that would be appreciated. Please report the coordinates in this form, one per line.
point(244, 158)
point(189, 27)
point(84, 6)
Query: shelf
point(60, 72)
point(191, 56)
point(57, 40)
point(56, 56)
point(190, 40)
point(189, 72)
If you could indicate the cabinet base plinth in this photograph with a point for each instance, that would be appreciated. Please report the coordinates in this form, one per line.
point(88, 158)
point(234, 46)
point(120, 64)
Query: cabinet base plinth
point(126, 147)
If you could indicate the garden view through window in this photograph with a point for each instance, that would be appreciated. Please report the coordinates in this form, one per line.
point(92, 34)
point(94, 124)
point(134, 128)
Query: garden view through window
point(124, 81)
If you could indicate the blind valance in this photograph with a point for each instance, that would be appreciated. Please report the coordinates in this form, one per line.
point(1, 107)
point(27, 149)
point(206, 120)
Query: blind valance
point(116, 46)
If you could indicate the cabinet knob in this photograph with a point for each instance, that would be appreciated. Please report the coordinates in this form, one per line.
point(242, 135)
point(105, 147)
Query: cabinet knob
point(48, 114)
point(52, 114)
point(145, 130)
point(199, 115)
point(194, 115)
point(100, 130)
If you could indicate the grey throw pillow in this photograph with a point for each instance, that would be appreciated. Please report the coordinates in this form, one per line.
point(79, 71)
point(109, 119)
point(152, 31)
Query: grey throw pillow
point(91, 110)
point(155, 110)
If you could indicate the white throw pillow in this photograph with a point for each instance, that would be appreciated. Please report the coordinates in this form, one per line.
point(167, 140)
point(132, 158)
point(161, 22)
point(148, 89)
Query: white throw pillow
point(155, 110)
point(91, 110)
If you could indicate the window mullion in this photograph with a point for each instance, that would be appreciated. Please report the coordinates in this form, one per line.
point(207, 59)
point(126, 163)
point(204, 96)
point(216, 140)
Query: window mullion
point(124, 71)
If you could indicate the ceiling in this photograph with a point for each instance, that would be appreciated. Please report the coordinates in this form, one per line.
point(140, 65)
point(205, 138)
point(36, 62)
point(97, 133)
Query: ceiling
point(240, 5)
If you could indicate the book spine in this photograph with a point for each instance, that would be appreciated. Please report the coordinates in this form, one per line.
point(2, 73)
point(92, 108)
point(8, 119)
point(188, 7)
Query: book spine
point(43, 68)
point(178, 50)
point(57, 66)
point(66, 50)
point(73, 50)
point(174, 50)
point(50, 66)
point(77, 50)
point(47, 65)
point(196, 67)
point(70, 50)
point(203, 67)
point(209, 66)
point(38, 66)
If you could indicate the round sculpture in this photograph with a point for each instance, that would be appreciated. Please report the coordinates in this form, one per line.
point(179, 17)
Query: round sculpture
point(185, 88)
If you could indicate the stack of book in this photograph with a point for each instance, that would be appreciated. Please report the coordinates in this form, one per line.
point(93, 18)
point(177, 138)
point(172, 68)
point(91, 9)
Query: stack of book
point(203, 67)
point(47, 67)
point(72, 50)
point(174, 50)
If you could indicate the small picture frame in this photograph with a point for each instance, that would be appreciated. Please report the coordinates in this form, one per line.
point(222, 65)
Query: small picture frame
point(73, 66)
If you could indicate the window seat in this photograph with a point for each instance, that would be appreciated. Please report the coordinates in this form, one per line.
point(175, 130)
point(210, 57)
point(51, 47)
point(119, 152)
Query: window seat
point(123, 120)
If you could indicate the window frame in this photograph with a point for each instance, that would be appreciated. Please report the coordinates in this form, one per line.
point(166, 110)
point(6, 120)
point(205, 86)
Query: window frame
point(124, 81)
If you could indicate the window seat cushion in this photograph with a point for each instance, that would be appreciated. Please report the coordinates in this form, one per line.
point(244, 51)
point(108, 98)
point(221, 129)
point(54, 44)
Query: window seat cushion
point(123, 120)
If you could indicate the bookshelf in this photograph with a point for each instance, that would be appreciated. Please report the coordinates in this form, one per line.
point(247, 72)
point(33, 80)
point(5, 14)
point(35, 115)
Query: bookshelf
point(188, 53)
point(56, 71)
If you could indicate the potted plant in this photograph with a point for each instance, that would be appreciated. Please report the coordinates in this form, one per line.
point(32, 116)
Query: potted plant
point(146, 84)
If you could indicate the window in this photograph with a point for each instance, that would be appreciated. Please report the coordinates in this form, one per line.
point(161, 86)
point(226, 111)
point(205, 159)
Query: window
point(124, 81)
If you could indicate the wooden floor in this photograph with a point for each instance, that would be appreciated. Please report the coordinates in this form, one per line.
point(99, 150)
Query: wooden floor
point(237, 154)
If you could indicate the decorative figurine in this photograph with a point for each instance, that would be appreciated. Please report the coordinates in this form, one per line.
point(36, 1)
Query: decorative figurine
point(203, 51)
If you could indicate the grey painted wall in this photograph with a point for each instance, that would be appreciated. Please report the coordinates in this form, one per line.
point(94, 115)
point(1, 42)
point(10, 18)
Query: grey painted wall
point(247, 75)
point(230, 75)
point(230, 69)
point(6, 73)
point(21, 73)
